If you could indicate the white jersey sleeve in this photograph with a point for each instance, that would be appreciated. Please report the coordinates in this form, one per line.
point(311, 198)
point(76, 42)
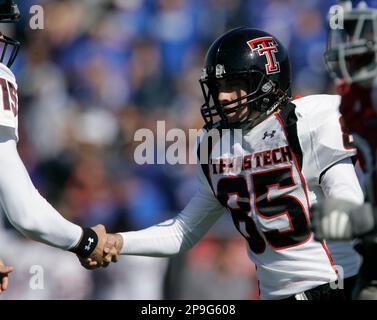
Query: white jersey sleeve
point(340, 182)
point(181, 233)
point(25, 208)
point(328, 140)
point(8, 99)
point(327, 164)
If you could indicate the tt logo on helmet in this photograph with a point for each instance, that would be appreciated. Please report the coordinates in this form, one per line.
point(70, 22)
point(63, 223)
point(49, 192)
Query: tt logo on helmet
point(266, 46)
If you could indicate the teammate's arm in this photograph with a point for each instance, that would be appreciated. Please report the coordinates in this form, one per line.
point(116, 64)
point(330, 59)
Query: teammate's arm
point(176, 235)
point(26, 209)
point(32, 215)
point(341, 182)
point(172, 236)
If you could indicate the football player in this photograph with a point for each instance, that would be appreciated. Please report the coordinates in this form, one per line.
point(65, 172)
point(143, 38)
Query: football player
point(351, 59)
point(271, 161)
point(25, 208)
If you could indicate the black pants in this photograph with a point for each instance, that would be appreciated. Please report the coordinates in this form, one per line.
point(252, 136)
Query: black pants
point(326, 292)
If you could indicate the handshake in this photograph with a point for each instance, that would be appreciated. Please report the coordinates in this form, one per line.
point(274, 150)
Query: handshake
point(97, 248)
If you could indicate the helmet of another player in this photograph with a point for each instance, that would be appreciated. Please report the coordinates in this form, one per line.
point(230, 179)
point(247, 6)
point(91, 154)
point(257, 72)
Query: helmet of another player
point(9, 13)
point(257, 64)
point(350, 55)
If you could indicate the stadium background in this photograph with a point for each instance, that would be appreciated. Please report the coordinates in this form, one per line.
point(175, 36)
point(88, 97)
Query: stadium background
point(101, 70)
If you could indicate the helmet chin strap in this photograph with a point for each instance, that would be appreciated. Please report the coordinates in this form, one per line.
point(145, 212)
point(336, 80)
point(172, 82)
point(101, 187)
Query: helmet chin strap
point(266, 111)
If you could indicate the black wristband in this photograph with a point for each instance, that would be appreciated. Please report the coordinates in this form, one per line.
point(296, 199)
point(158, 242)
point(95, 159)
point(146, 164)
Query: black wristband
point(87, 243)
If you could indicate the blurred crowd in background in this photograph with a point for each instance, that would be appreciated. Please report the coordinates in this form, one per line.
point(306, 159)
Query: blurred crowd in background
point(97, 72)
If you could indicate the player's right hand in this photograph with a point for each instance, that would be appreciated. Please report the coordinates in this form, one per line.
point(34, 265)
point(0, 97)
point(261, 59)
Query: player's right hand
point(4, 276)
point(94, 236)
point(110, 253)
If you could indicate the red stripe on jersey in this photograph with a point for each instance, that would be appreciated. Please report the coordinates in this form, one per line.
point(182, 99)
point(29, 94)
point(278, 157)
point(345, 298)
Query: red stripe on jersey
point(306, 192)
point(256, 294)
point(329, 255)
point(256, 268)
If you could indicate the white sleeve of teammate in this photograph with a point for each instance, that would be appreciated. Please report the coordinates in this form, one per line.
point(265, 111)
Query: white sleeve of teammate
point(181, 233)
point(25, 208)
point(331, 143)
point(341, 182)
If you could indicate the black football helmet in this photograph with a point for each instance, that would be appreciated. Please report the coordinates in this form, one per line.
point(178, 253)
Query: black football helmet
point(9, 13)
point(253, 56)
point(351, 50)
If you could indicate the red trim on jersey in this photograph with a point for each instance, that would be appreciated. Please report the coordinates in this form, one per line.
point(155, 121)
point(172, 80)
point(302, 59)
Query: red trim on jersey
point(286, 213)
point(5, 93)
point(258, 285)
point(329, 255)
point(238, 213)
point(296, 98)
point(238, 210)
point(307, 197)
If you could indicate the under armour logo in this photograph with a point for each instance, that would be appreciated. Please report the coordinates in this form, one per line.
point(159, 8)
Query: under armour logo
point(91, 240)
point(271, 135)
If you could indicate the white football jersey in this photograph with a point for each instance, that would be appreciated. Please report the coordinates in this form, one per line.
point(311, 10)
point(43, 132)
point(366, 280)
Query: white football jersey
point(8, 99)
point(268, 178)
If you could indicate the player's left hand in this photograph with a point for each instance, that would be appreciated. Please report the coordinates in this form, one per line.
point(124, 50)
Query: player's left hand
point(112, 248)
point(4, 276)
